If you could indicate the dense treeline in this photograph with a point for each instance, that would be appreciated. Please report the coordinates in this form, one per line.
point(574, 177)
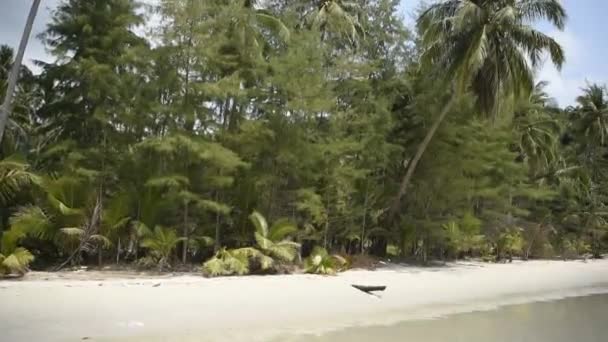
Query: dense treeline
point(329, 119)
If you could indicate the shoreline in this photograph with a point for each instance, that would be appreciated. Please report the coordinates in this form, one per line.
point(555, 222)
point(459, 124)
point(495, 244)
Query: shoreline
point(193, 308)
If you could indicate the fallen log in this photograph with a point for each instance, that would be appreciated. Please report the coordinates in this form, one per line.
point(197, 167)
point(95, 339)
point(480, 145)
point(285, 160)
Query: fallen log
point(368, 289)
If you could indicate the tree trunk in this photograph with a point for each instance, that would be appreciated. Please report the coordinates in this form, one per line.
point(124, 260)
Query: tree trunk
point(14, 74)
point(529, 248)
point(118, 252)
point(364, 217)
point(326, 231)
point(217, 244)
point(92, 227)
point(186, 234)
point(414, 162)
point(99, 256)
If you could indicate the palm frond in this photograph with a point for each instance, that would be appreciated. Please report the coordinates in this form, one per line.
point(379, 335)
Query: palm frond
point(16, 262)
point(72, 231)
point(260, 223)
point(103, 241)
point(14, 178)
point(280, 229)
point(34, 221)
point(552, 10)
point(272, 23)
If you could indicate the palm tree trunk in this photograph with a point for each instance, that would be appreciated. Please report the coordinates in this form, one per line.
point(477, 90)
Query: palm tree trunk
point(421, 149)
point(14, 75)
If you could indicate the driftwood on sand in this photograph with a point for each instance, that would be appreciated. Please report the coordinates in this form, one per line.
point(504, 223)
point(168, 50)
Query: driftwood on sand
point(368, 289)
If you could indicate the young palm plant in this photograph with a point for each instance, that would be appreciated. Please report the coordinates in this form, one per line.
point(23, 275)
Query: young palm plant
point(17, 262)
point(272, 240)
point(483, 47)
point(272, 246)
point(14, 178)
point(161, 242)
point(15, 175)
point(321, 262)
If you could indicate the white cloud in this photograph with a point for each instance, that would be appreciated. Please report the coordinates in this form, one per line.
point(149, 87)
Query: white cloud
point(565, 86)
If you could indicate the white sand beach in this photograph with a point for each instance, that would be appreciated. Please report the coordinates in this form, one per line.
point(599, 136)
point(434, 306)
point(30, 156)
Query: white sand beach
point(84, 306)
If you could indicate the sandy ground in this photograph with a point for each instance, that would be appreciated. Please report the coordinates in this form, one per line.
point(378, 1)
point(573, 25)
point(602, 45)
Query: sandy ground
point(90, 306)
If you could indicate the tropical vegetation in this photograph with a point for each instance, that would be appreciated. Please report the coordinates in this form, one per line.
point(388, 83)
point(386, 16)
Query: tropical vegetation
point(173, 142)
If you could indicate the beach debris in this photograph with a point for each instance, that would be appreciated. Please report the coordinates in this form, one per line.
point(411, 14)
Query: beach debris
point(368, 288)
point(156, 285)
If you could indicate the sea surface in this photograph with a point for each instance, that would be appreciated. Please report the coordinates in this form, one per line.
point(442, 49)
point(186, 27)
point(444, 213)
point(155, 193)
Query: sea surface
point(576, 319)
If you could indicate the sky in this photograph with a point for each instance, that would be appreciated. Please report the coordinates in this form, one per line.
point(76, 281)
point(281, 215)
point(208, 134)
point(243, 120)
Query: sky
point(584, 40)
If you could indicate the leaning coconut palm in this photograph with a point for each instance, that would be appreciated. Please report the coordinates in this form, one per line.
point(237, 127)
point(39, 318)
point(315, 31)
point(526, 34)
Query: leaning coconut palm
point(14, 74)
point(486, 47)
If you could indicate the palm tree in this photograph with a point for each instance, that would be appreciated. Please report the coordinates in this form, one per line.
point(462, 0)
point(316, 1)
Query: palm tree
point(483, 46)
point(15, 175)
point(6, 61)
point(272, 240)
point(321, 262)
point(161, 242)
point(248, 25)
point(536, 129)
point(12, 78)
point(15, 263)
point(337, 17)
point(592, 113)
point(271, 245)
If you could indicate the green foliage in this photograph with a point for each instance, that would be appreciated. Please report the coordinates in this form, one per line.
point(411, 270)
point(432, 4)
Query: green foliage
point(464, 237)
point(464, 39)
point(235, 262)
point(161, 242)
point(312, 113)
point(272, 241)
point(15, 263)
point(321, 262)
point(572, 248)
point(15, 177)
point(511, 242)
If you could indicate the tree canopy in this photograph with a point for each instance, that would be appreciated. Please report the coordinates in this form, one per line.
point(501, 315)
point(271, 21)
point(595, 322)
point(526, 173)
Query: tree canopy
point(247, 136)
